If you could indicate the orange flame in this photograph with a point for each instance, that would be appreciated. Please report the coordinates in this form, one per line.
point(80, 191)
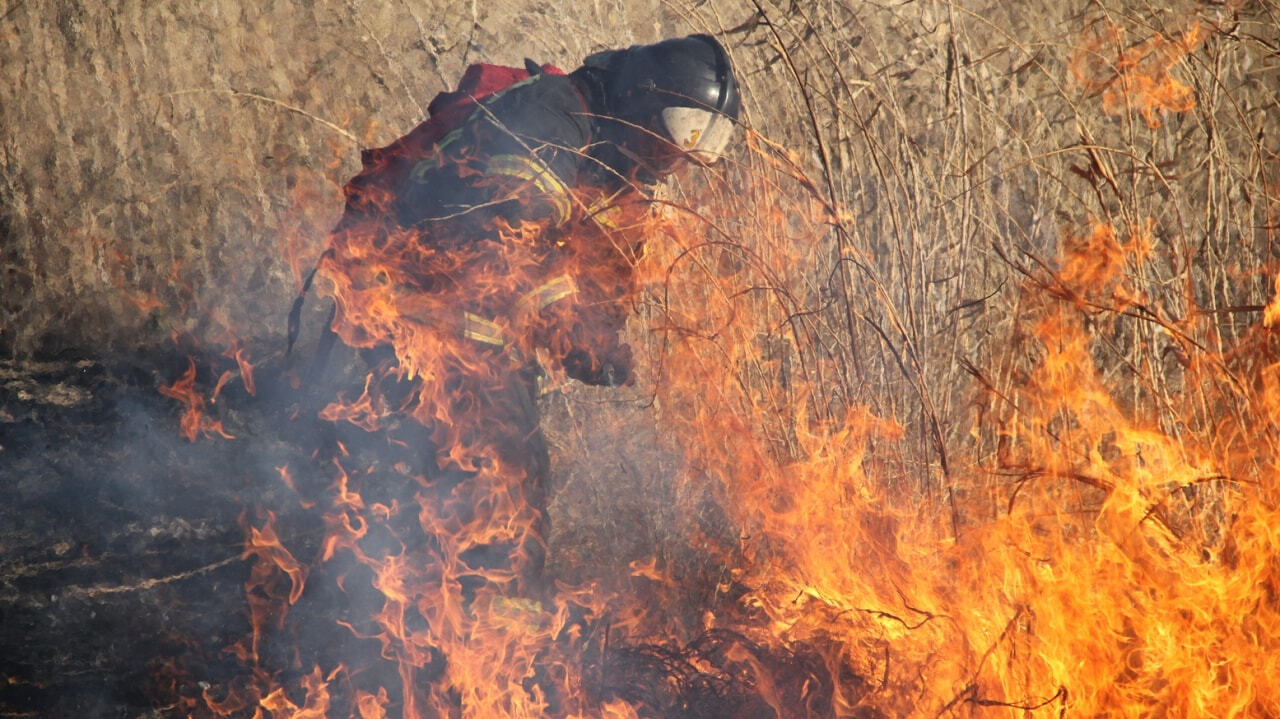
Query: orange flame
point(194, 423)
point(315, 705)
point(1102, 586)
point(1135, 76)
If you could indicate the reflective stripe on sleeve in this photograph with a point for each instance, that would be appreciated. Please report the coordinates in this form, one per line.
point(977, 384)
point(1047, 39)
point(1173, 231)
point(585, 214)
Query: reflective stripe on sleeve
point(532, 170)
point(485, 331)
point(547, 294)
point(479, 329)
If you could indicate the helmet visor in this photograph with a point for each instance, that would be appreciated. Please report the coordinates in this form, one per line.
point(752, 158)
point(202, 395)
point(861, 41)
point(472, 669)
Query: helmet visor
point(702, 133)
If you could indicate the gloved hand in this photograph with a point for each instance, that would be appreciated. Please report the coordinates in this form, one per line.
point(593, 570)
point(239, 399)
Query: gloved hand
point(607, 369)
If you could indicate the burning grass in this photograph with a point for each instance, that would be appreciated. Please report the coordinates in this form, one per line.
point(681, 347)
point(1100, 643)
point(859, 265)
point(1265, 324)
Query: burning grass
point(1094, 563)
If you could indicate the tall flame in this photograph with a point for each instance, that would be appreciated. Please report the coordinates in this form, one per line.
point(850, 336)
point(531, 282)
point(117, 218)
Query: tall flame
point(1095, 565)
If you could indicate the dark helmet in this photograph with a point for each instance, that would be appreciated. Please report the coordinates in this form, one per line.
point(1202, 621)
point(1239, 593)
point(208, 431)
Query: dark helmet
point(681, 92)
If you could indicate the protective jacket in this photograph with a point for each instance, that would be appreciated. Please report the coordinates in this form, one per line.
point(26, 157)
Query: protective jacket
point(513, 175)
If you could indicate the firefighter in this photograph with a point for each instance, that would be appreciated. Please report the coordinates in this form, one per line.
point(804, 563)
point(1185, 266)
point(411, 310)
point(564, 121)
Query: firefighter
point(492, 225)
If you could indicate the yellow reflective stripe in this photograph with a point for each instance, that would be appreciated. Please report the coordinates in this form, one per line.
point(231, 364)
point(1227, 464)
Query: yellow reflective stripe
point(420, 170)
point(605, 212)
point(526, 168)
point(422, 167)
point(479, 329)
point(547, 294)
point(605, 218)
point(475, 327)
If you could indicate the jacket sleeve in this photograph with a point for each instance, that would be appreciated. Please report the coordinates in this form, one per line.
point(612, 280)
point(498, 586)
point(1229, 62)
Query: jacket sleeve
point(583, 331)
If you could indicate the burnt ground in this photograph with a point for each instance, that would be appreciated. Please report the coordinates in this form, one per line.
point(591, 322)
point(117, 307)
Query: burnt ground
point(121, 541)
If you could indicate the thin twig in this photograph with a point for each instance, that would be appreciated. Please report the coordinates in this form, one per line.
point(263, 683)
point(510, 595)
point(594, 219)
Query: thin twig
point(107, 590)
point(270, 101)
